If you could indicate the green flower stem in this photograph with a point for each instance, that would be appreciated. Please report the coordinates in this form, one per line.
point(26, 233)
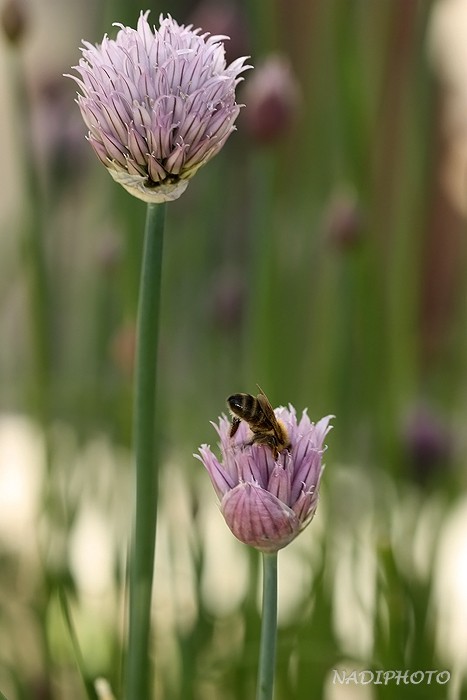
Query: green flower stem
point(138, 679)
point(267, 654)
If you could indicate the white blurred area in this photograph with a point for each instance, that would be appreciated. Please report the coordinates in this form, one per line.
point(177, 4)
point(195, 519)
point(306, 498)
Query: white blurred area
point(451, 589)
point(22, 465)
point(447, 44)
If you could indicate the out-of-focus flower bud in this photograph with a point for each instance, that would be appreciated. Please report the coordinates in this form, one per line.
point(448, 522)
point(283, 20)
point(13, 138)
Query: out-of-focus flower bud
point(57, 130)
point(427, 441)
point(223, 18)
point(273, 98)
point(123, 349)
point(343, 220)
point(109, 252)
point(227, 298)
point(14, 20)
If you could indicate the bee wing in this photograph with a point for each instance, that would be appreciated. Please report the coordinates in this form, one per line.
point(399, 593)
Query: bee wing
point(268, 411)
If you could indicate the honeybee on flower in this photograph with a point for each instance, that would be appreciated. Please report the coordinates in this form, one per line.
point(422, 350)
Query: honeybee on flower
point(267, 499)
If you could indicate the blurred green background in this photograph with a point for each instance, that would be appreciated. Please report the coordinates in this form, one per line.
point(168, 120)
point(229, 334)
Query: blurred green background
point(322, 255)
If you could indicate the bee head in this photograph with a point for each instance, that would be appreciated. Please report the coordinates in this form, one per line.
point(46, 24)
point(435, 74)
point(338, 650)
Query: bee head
point(235, 402)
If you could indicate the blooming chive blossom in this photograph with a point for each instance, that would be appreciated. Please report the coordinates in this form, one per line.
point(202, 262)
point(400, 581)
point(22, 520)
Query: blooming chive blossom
point(158, 103)
point(267, 503)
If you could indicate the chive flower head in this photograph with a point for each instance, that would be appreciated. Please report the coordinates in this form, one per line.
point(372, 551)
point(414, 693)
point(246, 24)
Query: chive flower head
point(158, 102)
point(266, 502)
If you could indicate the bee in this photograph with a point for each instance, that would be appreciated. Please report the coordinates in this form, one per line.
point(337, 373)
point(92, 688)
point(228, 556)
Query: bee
point(260, 416)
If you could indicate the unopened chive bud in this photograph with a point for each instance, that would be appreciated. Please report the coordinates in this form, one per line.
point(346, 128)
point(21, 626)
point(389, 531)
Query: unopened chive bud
point(272, 97)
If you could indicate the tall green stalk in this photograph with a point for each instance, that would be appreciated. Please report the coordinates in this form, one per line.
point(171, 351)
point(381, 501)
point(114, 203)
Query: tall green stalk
point(138, 672)
point(267, 652)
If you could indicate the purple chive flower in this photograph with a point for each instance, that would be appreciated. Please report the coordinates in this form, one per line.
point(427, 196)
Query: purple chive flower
point(158, 103)
point(273, 98)
point(428, 442)
point(267, 503)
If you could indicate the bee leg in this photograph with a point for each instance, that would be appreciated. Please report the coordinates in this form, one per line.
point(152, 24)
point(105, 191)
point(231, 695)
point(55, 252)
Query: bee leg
point(234, 427)
point(268, 441)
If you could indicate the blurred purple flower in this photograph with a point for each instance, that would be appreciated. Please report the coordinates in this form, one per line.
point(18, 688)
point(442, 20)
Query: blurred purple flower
point(224, 17)
point(343, 220)
point(158, 103)
point(428, 442)
point(273, 98)
point(267, 503)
